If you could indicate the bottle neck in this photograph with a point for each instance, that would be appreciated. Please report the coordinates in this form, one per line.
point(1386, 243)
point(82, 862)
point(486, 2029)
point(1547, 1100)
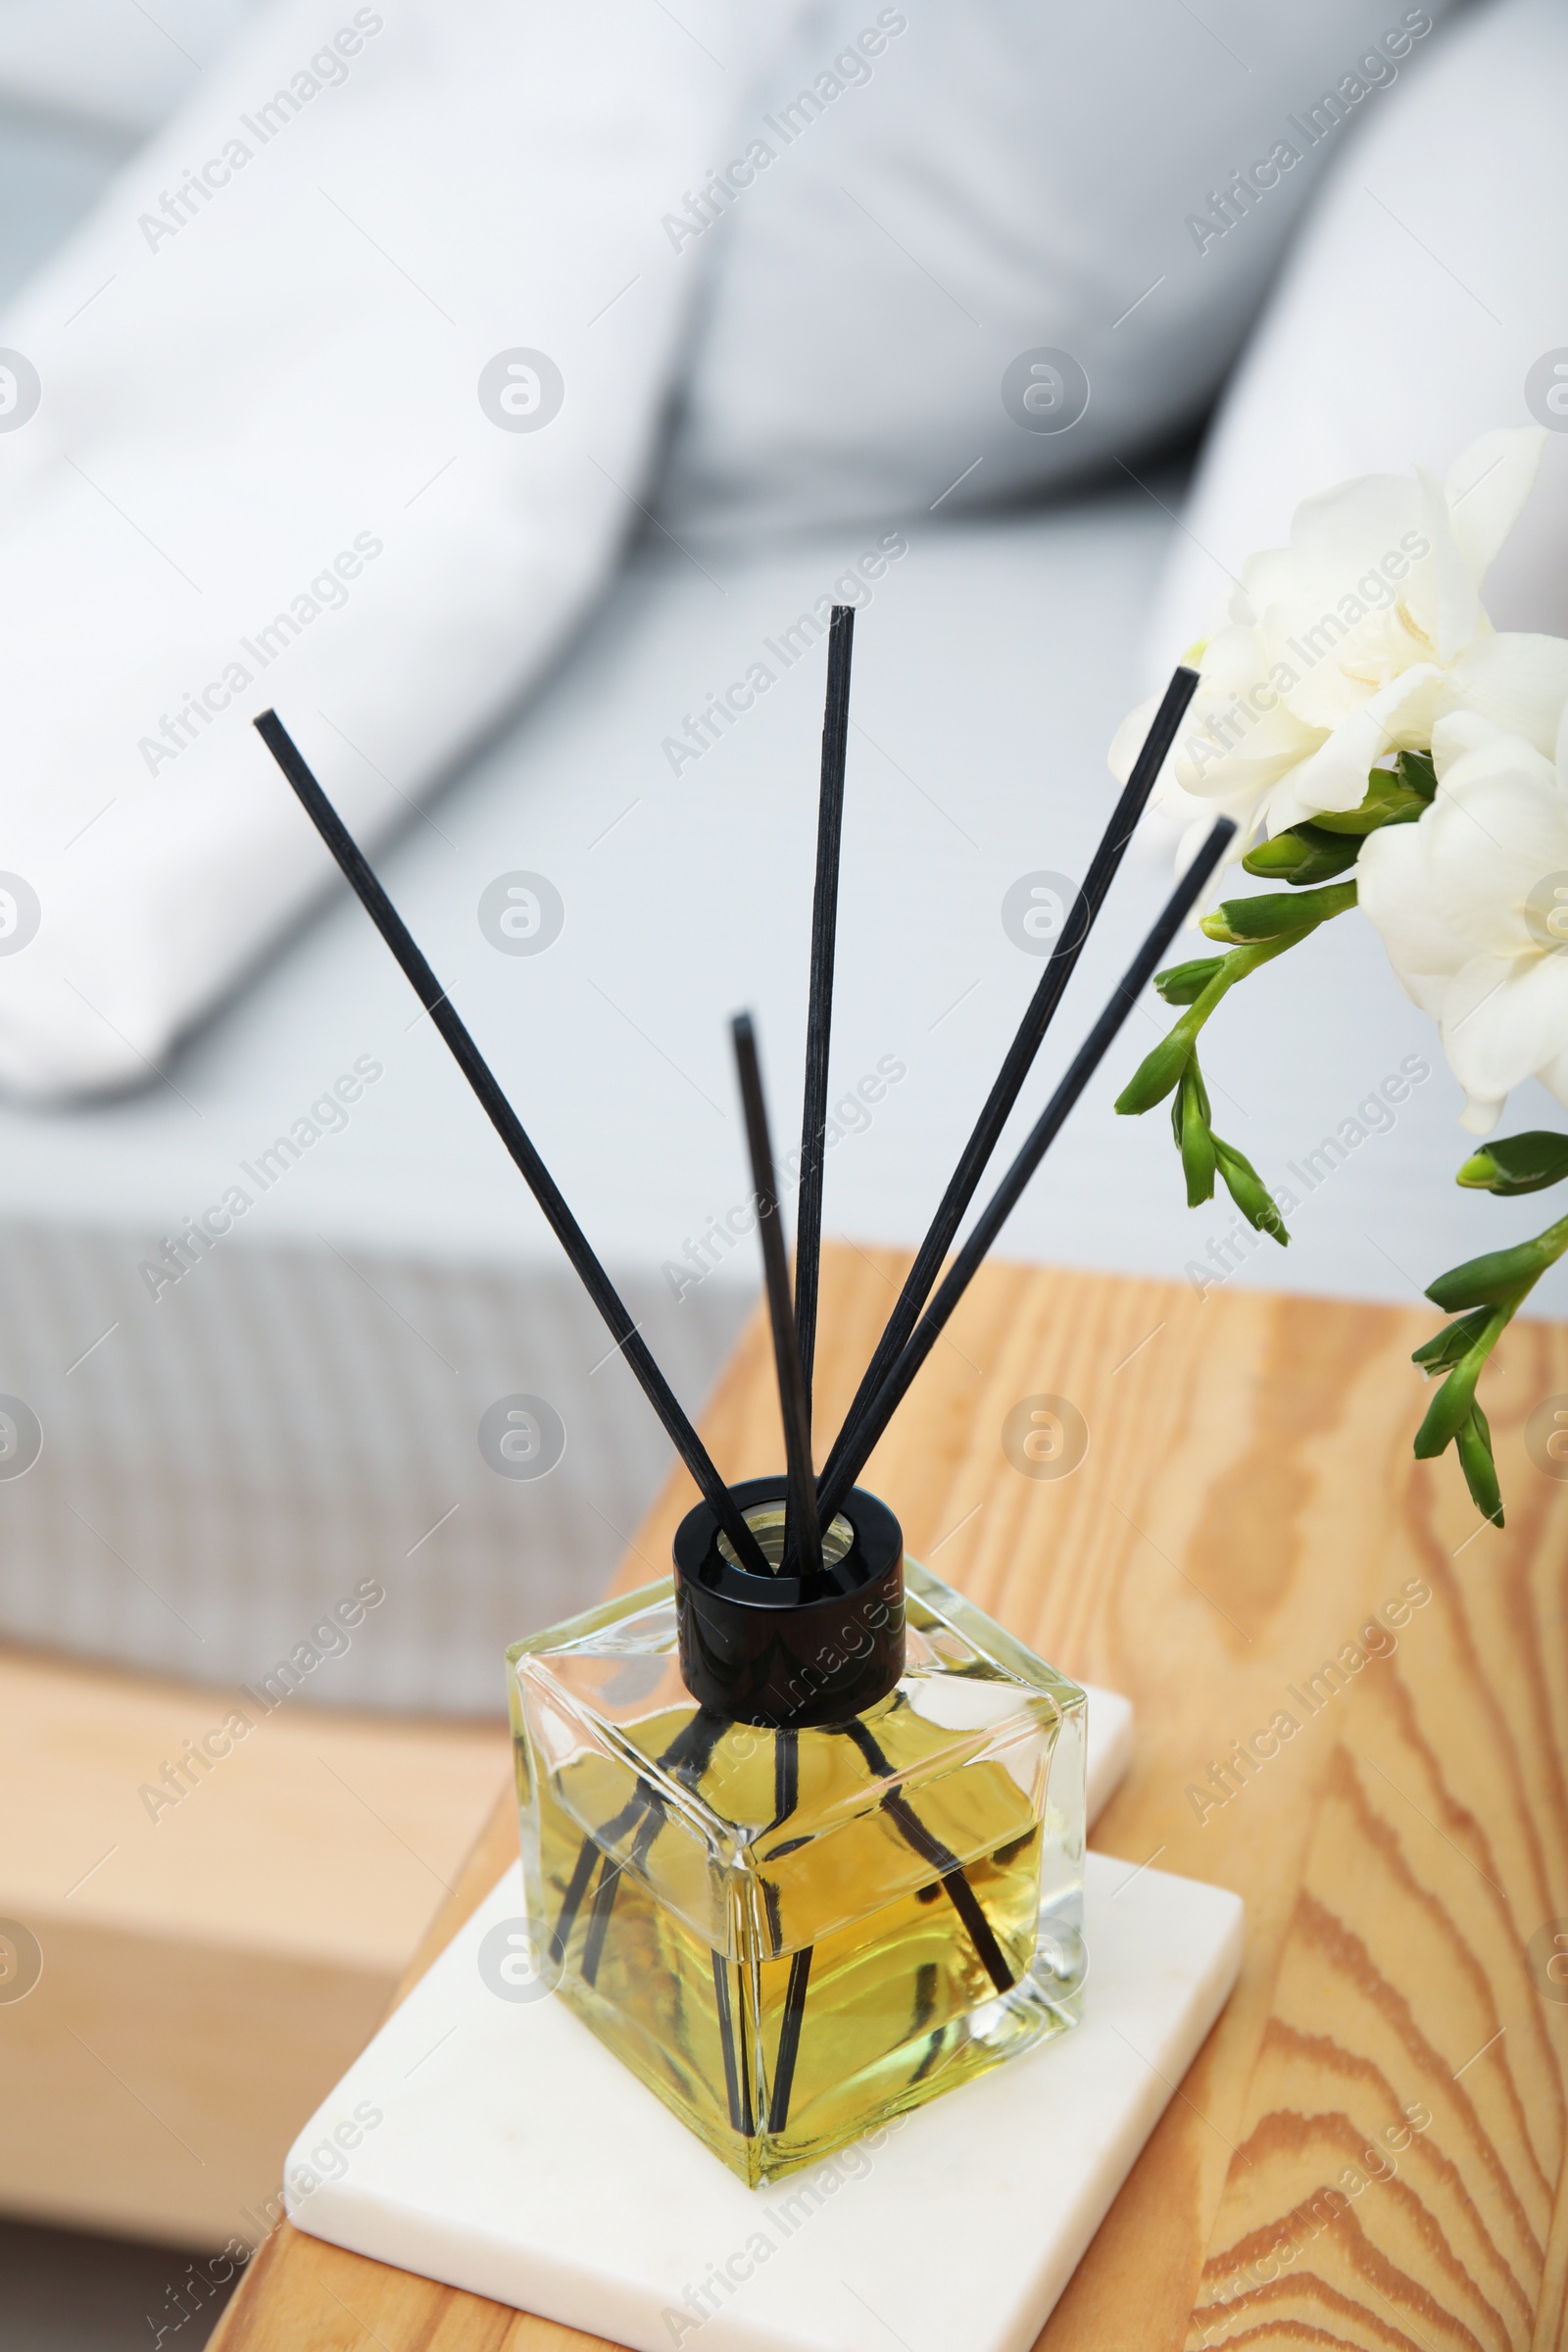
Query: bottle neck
point(787, 1652)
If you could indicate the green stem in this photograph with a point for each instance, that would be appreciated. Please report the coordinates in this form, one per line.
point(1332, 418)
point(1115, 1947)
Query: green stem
point(1165, 1067)
point(1495, 1287)
point(1450, 1407)
point(1239, 965)
point(1253, 931)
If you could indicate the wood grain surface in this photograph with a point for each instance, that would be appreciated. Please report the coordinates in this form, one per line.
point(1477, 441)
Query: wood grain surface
point(1369, 2150)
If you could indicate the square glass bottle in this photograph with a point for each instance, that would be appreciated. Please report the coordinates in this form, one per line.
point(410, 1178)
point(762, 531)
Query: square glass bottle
point(803, 1853)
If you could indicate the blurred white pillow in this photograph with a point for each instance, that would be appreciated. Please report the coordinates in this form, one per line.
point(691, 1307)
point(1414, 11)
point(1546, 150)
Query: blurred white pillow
point(271, 431)
point(923, 197)
point(1426, 291)
point(110, 62)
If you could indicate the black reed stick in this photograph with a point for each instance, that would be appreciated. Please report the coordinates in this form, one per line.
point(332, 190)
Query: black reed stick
point(819, 1012)
point(1009, 1190)
point(803, 1542)
point(789, 2039)
point(507, 1124)
point(998, 1106)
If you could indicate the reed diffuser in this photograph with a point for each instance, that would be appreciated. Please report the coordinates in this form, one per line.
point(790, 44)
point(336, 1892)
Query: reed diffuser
point(802, 1830)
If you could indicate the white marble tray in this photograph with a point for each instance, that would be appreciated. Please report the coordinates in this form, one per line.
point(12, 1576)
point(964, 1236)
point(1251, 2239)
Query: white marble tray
point(509, 2154)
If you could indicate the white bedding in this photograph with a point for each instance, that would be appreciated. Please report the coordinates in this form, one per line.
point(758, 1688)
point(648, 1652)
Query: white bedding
point(233, 1457)
point(272, 451)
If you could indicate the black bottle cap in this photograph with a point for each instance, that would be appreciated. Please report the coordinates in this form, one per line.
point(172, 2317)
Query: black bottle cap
point(790, 1652)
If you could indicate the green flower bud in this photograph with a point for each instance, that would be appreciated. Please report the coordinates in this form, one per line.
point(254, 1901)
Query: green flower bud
point(1250, 1193)
point(1517, 1163)
point(1449, 1408)
point(1302, 855)
point(1241, 922)
point(1154, 1075)
point(1392, 798)
point(1195, 1139)
point(1481, 1173)
point(1473, 1444)
point(1485, 1281)
point(1441, 1352)
point(1185, 983)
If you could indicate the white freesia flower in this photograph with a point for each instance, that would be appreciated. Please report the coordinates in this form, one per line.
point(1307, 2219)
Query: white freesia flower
point(1354, 641)
point(1472, 905)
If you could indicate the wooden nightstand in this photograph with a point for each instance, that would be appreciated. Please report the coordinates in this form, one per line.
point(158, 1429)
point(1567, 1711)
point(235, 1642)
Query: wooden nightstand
point(1370, 2149)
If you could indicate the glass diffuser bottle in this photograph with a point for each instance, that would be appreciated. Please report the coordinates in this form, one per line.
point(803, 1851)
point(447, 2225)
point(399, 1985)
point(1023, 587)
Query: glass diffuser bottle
point(804, 1852)
point(803, 1831)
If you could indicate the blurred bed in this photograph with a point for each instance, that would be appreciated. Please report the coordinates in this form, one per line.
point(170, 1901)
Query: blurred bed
point(226, 1453)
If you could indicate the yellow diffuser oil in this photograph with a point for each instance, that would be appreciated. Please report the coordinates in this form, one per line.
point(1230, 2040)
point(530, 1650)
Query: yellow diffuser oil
point(804, 1852)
